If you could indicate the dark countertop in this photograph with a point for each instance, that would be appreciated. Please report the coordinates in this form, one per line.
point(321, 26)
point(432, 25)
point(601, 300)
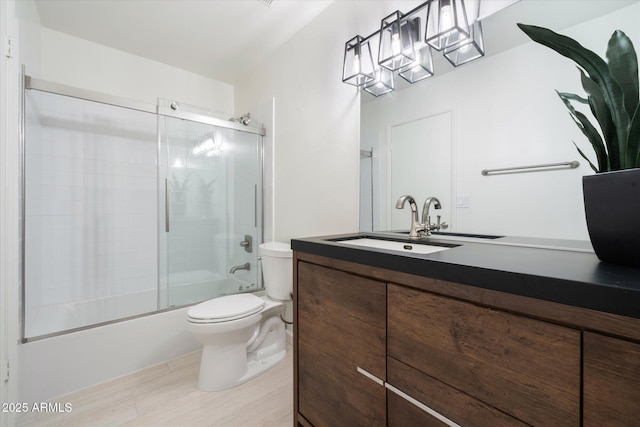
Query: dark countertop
point(520, 266)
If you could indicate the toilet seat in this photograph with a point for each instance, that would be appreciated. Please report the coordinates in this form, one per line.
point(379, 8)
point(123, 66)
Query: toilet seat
point(225, 309)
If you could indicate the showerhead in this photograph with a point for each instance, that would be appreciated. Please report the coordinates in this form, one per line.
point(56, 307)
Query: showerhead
point(245, 119)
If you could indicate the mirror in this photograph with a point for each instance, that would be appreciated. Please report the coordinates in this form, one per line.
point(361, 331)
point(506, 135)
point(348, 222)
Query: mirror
point(501, 111)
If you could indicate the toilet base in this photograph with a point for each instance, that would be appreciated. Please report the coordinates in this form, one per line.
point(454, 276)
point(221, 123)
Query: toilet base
point(254, 369)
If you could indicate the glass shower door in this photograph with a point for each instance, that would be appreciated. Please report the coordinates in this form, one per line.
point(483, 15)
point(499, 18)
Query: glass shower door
point(210, 181)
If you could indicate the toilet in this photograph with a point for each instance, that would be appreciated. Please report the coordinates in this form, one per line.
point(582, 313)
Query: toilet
point(243, 335)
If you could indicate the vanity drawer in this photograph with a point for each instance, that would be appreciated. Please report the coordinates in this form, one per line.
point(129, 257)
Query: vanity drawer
point(450, 403)
point(524, 367)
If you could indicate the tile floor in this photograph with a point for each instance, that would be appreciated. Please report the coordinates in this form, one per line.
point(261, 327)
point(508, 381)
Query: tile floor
point(167, 395)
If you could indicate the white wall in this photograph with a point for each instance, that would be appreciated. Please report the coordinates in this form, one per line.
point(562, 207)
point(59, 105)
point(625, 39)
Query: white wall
point(9, 210)
point(80, 63)
point(316, 127)
point(506, 113)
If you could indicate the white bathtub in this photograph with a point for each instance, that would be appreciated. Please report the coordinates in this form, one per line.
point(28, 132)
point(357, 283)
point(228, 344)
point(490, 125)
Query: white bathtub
point(69, 362)
point(196, 286)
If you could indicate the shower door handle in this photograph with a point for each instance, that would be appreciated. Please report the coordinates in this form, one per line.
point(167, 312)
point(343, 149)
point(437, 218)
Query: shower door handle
point(166, 205)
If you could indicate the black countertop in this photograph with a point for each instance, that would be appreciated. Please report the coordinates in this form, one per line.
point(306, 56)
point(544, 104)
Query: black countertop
point(572, 275)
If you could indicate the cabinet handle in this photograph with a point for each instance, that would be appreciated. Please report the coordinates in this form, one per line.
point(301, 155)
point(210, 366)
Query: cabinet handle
point(420, 405)
point(370, 376)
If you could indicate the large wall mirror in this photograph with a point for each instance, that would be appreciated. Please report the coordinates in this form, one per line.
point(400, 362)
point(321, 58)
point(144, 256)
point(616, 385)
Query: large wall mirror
point(435, 137)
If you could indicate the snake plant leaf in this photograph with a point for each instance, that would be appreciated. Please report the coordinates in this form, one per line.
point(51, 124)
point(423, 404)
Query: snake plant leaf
point(623, 63)
point(598, 71)
point(589, 131)
point(596, 141)
point(603, 115)
point(633, 145)
point(595, 169)
point(573, 97)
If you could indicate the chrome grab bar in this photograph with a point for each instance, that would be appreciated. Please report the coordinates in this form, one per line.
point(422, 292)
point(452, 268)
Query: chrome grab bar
point(571, 165)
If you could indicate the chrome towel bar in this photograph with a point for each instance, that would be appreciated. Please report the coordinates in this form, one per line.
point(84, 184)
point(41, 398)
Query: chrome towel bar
point(533, 168)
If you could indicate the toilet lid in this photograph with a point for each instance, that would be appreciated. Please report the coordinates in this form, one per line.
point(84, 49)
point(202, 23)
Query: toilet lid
point(225, 308)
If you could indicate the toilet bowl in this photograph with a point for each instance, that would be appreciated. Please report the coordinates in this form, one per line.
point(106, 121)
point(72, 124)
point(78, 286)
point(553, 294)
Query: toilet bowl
point(243, 335)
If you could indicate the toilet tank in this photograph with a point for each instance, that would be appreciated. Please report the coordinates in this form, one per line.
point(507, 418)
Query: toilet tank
point(277, 269)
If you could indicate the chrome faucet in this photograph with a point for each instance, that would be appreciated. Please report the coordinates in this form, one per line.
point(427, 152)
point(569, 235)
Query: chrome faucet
point(416, 227)
point(426, 218)
point(245, 266)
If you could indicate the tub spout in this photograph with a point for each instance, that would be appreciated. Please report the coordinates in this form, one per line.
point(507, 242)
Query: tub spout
point(245, 266)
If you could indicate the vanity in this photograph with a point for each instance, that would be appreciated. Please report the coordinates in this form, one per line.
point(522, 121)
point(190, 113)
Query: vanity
point(477, 332)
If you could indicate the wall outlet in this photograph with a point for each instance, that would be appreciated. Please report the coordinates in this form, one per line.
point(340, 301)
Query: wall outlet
point(463, 202)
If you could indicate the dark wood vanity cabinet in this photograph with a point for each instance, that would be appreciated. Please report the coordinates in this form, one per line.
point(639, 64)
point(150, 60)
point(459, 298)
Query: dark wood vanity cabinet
point(436, 351)
point(482, 365)
point(341, 326)
point(611, 381)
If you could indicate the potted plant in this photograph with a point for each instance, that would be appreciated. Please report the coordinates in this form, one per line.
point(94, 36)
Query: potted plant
point(612, 195)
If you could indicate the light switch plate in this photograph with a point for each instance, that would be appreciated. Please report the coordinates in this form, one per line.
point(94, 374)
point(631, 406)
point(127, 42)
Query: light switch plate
point(463, 202)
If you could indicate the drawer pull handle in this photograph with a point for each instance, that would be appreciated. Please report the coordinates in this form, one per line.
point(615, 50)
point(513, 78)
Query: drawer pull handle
point(421, 405)
point(370, 376)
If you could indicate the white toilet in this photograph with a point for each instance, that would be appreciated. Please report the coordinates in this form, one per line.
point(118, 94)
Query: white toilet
point(243, 335)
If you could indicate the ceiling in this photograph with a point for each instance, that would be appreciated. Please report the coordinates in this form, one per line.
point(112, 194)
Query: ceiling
point(221, 39)
point(214, 38)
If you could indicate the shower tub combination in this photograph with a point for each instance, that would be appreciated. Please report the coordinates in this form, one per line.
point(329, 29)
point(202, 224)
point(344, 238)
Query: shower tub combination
point(132, 209)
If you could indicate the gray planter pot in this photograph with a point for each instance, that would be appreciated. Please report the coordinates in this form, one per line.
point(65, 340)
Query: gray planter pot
point(612, 208)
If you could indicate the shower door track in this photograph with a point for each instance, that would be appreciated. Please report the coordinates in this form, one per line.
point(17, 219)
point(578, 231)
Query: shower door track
point(88, 95)
point(200, 118)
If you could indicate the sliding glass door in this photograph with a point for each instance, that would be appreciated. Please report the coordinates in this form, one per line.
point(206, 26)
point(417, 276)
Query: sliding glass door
point(210, 213)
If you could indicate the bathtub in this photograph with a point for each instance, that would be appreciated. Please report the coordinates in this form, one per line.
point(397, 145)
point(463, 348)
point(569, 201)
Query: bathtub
point(196, 286)
point(68, 362)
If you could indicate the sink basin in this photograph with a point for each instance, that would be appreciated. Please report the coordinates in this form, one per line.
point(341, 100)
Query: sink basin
point(404, 247)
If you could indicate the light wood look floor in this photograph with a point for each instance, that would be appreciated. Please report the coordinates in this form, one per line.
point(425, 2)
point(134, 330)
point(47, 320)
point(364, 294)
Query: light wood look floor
point(167, 395)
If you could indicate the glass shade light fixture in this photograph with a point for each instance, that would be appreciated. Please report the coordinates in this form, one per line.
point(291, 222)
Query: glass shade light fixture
point(383, 83)
point(447, 23)
point(421, 68)
point(452, 26)
point(396, 42)
point(467, 50)
point(358, 63)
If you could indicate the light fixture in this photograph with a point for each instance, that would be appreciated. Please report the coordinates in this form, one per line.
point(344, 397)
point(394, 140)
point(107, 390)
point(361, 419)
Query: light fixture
point(383, 83)
point(421, 68)
point(396, 42)
point(451, 27)
point(447, 23)
point(358, 62)
point(467, 50)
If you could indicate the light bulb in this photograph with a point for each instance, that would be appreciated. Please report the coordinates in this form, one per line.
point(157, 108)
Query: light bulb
point(395, 43)
point(446, 18)
point(356, 64)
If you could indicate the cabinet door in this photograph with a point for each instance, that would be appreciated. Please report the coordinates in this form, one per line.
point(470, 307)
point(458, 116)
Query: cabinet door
point(341, 327)
point(611, 381)
point(524, 367)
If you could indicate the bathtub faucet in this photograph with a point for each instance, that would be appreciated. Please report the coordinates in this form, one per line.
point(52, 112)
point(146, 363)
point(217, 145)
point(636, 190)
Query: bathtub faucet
point(245, 266)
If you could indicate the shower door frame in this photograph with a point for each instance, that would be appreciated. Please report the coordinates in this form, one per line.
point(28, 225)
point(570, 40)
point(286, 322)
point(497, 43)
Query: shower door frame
point(30, 83)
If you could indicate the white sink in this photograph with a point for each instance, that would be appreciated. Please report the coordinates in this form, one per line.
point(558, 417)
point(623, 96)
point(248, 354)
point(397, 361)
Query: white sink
point(405, 247)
